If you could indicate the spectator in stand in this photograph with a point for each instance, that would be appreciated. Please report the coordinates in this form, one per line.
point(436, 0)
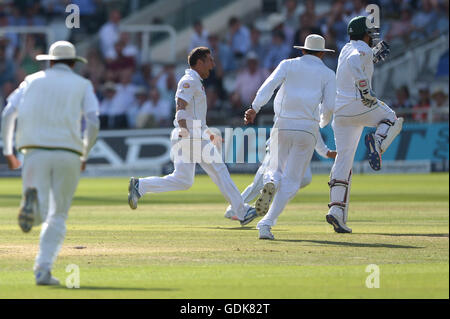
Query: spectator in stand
point(442, 23)
point(88, 12)
point(402, 104)
point(26, 58)
point(200, 36)
point(109, 92)
point(54, 8)
point(109, 33)
point(166, 82)
point(247, 84)
point(218, 108)
point(291, 13)
point(439, 103)
point(223, 56)
point(128, 49)
point(278, 51)
point(276, 23)
point(122, 100)
point(336, 24)
point(9, 40)
point(121, 61)
point(7, 65)
point(402, 27)
point(421, 109)
point(238, 37)
point(94, 70)
point(144, 75)
point(256, 44)
point(156, 112)
point(424, 21)
point(140, 99)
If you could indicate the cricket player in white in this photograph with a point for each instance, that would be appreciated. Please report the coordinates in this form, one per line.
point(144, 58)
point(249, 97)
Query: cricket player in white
point(307, 88)
point(254, 189)
point(190, 124)
point(356, 107)
point(49, 106)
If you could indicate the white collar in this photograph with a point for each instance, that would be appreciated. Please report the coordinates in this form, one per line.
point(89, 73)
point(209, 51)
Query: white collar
point(311, 57)
point(61, 66)
point(194, 73)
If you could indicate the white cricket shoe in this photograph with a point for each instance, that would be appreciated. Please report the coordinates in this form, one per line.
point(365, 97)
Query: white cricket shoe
point(133, 192)
point(335, 217)
point(230, 214)
point(264, 232)
point(28, 210)
point(263, 202)
point(45, 278)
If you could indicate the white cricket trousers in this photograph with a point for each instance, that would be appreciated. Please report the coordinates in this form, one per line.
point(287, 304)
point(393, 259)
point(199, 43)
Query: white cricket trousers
point(183, 175)
point(254, 189)
point(348, 124)
point(55, 175)
point(294, 151)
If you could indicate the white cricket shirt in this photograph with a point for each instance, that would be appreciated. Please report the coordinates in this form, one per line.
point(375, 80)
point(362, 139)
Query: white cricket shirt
point(308, 87)
point(49, 106)
point(191, 90)
point(355, 63)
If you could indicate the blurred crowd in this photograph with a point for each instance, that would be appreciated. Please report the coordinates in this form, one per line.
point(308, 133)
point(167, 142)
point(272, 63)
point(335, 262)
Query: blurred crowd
point(135, 93)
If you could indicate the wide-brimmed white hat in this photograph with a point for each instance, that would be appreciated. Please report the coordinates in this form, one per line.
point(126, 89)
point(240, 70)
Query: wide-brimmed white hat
point(314, 42)
point(61, 50)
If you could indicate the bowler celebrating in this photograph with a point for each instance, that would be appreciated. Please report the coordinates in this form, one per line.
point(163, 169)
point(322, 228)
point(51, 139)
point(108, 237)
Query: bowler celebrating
point(190, 123)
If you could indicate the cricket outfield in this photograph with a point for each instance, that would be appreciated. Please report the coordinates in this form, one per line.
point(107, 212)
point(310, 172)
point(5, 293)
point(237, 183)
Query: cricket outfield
point(179, 245)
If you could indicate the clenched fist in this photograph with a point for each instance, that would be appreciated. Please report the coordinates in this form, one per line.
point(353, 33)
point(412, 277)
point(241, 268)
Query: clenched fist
point(250, 116)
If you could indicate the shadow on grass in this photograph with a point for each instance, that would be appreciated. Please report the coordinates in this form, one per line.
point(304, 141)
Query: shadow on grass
point(115, 288)
point(230, 228)
point(338, 243)
point(412, 235)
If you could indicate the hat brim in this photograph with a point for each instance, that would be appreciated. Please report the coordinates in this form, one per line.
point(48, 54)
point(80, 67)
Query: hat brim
point(47, 57)
point(318, 50)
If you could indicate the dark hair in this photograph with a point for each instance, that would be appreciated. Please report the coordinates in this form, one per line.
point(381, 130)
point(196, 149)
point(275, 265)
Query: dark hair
point(357, 37)
point(315, 53)
point(196, 54)
point(69, 63)
point(232, 21)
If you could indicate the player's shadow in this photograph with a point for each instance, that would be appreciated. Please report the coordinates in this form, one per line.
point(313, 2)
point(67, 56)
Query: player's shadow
point(231, 228)
point(349, 244)
point(412, 235)
point(116, 288)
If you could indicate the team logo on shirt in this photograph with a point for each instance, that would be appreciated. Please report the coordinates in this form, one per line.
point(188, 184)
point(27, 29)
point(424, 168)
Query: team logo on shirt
point(186, 85)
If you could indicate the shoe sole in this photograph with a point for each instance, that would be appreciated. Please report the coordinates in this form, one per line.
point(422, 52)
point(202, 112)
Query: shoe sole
point(26, 213)
point(267, 238)
point(337, 228)
point(263, 203)
point(130, 193)
point(374, 156)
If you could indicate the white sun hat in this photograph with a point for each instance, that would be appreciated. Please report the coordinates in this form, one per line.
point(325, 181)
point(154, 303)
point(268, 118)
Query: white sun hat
point(61, 50)
point(314, 42)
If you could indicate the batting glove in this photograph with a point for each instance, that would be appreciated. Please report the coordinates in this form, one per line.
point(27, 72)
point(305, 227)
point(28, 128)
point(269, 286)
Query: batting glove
point(367, 95)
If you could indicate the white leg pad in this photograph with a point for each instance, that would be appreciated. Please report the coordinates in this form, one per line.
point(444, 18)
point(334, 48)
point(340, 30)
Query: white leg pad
point(391, 134)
